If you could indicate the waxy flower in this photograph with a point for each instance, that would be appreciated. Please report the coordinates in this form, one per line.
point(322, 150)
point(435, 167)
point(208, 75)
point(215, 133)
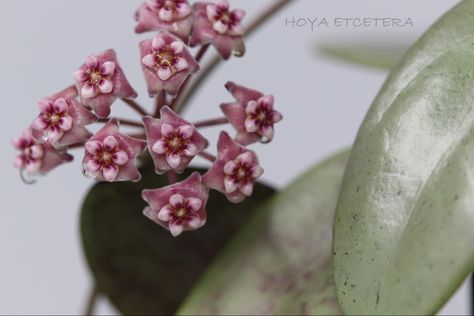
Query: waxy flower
point(61, 121)
point(172, 141)
point(100, 81)
point(235, 170)
point(219, 26)
point(174, 16)
point(252, 115)
point(166, 63)
point(37, 158)
point(178, 207)
point(110, 155)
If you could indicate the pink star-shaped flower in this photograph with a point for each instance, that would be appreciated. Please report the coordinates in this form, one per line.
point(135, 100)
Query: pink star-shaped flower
point(37, 158)
point(111, 156)
point(172, 141)
point(178, 207)
point(235, 170)
point(174, 16)
point(100, 81)
point(166, 63)
point(62, 120)
point(252, 115)
point(218, 25)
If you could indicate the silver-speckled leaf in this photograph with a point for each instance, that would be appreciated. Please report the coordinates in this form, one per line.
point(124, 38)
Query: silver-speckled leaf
point(280, 264)
point(404, 227)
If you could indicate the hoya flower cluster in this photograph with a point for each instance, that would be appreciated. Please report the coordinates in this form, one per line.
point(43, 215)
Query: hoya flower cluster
point(171, 141)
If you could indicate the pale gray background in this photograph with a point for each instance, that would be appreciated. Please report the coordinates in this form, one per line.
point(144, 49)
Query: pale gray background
point(42, 269)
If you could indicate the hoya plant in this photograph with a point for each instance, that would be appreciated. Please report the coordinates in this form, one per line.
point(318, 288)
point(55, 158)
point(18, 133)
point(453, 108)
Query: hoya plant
point(385, 227)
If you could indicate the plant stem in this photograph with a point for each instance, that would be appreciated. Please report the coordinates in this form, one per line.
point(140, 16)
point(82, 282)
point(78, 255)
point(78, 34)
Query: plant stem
point(172, 177)
point(160, 102)
point(137, 107)
point(212, 122)
point(124, 122)
point(208, 156)
point(91, 301)
point(175, 104)
point(210, 67)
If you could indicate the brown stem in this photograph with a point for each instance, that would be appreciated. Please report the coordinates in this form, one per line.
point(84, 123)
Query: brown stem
point(160, 102)
point(137, 107)
point(139, 136)
point(172, 177)
point(123, 122)
point(212, 122)
point(176, 101)
point(211, 66)
point(207, 156)
point(91, 301)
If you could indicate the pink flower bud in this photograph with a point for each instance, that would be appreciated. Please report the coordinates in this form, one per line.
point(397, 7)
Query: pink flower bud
point(172, 141)
point(235, 170)
point(111, 156)
point(216, 24)
point(100, 81)
point(174, 16)
point(178, 207)
point(62, 120)
point(37, 158)
point(252, 115)
point(166, 63)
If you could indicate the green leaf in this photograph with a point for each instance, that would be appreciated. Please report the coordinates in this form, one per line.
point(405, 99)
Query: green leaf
point(281, 262)
point(138, 264)
point(404, 228)
point(370, 53)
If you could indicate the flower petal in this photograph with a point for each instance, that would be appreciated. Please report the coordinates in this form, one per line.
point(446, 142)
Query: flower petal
point(93, 147)
point(80, 75)
point(181, 64)
point(275, 116)
point(230, 185)
point(108, 68)
point(250, 125)
point(194, 204)
point(120, 158)
point(267, 131)
point(191, 150)
point(173, 159)
point(211, 11)
point(177, 47)
point(88, 91)
point(159, 147)
point(167, 130)
point(257, 171)
point(92, 61)
point(220, 27)
point(66, 123)
point(229, 167)
point(247, 188)
point(106, 86)
point(176, 200)
point(110, 143)
point(194, 222)
point(157, 43)
point(165, 14)
point(110, 172)
point(165, 213)
point(245, 158)
point(39, 124)
point(92, 166)
point(251, 107)
point(185, 131)
point(54, 135)
point(175, 229)
point(149, 61)
point(164, 73)
point(37, 151)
